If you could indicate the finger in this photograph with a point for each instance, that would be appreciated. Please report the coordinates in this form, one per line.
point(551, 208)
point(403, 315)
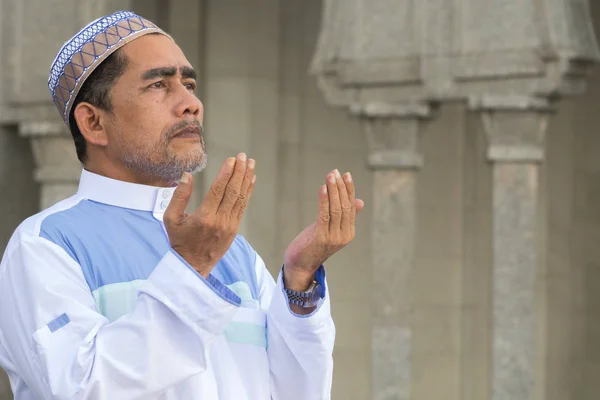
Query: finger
point(240, 205)
point(175, 212)
point(347, 223)
point(359, 205)
point(217, 190)
point(351, 189)
point(248, 195)
point(323, 219)
point(335, 208)
point(233, 188)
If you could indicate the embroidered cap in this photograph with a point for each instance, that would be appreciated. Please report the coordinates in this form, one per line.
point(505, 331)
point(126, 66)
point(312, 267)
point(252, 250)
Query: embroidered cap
point(82, 54)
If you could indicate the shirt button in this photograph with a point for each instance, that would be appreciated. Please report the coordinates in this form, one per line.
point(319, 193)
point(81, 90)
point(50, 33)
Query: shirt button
point(166, 194)
point(164, 204)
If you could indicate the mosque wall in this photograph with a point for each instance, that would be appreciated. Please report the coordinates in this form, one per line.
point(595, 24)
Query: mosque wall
point(253, 60)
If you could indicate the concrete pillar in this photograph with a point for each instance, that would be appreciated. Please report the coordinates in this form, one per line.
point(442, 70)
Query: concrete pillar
point(394, 157)
point(57, 169)
point(515, 128)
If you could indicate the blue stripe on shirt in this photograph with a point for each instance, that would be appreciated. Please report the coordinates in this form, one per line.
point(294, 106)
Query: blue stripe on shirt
point(59, 323)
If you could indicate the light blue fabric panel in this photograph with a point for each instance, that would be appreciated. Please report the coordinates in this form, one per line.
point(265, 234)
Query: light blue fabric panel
point(118, 249)
point(111, 244)
point(117, 299)
point(245, 294)
point(246, 333)
point(115, 245)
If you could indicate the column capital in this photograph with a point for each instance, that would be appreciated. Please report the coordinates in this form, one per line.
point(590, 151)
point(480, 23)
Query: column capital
point(492, 102)
point(43, 129)
point(392, 133)
point(515, 126)
point(409, 110)
point(57, 168)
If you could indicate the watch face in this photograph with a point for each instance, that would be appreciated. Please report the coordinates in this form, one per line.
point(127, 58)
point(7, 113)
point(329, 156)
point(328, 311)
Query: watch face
point(316, 295)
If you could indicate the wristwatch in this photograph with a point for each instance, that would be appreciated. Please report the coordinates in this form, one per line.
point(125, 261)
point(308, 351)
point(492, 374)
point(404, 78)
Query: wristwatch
point(308, 299)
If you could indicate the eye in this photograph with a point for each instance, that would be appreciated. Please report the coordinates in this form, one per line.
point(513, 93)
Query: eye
point(191, 86)
point(158, 85)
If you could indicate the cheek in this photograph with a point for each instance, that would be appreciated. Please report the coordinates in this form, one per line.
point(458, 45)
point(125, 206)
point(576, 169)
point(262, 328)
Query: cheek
point(149, 117)
point(141, 124)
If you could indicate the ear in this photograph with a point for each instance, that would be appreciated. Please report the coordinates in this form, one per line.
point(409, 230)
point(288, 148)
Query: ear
point(90, 121)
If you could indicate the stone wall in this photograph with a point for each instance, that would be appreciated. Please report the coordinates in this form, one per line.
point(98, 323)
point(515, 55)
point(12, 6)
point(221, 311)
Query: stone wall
point(572, 277)
point(259, 99)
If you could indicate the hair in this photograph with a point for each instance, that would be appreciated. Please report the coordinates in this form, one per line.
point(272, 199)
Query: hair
point(96, 91)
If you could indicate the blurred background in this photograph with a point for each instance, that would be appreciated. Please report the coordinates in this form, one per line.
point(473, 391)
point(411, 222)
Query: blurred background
point(470, 128)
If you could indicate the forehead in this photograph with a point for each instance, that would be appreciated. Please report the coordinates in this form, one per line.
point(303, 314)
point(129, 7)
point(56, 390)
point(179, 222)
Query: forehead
point(154, 51)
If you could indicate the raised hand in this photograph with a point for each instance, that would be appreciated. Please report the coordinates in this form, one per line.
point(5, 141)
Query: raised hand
point(203, 237)
point(333, 230)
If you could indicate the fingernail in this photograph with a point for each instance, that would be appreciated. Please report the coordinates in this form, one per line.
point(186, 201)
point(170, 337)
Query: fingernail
point(185, 178)
point(254, 179)
point(251, 163)
point(331, 178)
point(324, 189)
point(337, 174)
point(231, 161)
point(348, 177)
point(242, 157)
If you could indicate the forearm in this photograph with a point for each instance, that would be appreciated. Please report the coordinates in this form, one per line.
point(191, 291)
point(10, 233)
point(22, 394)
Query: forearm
point(300, 349)
point(64, 349)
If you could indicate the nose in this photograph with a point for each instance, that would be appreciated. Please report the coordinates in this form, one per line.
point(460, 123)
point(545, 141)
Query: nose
point(189, 104)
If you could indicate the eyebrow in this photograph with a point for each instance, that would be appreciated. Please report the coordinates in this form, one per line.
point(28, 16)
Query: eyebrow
point(163, 72)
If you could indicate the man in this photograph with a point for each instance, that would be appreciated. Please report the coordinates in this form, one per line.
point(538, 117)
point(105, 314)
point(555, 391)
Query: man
point(117, 292)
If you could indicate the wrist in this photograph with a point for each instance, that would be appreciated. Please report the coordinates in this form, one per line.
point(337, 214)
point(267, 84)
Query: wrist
point(297, 279)
point(199, 266)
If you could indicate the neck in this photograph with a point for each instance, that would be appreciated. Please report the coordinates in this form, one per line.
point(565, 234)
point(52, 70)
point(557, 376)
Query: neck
point(119, 172)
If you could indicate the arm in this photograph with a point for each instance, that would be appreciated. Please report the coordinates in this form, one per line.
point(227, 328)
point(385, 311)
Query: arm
point(300, 347)
point(64, 349)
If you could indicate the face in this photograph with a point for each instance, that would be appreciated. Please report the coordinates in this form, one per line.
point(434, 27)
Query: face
point(155, 126)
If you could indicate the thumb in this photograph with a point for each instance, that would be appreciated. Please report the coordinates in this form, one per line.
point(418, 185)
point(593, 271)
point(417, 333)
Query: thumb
point(175, 213)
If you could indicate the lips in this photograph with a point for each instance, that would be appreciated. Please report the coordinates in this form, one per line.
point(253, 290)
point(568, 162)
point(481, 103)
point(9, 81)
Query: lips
point(189, 132)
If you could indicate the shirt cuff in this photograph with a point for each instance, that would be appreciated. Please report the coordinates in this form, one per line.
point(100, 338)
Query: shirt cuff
point(203, 304)
point(281, 305)
point(213, 283)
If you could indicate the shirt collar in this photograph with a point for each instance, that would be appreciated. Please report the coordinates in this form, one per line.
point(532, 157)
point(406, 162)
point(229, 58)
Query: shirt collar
point(124, 194)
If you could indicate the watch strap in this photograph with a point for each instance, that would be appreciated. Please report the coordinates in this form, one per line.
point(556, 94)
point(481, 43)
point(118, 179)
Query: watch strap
point(301, 298)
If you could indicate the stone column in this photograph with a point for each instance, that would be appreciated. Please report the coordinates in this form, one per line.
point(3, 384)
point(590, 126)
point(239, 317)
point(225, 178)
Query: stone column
point(57, 168)
point(515, 129)
point(393, 136)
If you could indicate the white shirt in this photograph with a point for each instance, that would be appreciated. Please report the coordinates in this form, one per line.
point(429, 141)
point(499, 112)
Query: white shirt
point(94, 304)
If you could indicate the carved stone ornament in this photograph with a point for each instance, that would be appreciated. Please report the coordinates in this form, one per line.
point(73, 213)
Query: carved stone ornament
point(398, 51)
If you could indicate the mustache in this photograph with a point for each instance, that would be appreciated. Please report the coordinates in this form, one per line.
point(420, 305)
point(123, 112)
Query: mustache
point(177, 128)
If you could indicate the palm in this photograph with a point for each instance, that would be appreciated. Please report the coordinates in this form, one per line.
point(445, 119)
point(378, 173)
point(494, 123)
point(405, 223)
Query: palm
point(332, 230)
point(304, 250)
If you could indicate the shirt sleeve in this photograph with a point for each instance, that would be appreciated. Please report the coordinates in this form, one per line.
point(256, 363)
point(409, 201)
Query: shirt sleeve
point(64, 349)
point(300, 347)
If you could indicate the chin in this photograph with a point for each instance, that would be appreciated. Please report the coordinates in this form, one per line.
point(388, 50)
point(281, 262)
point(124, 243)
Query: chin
point(193, 163)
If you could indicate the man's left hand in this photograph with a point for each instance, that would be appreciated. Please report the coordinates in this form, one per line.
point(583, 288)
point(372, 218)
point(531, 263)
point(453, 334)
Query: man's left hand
point(332, 231)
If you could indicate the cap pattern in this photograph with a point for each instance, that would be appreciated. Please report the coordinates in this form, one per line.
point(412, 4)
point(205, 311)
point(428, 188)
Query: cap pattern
point(78, 57)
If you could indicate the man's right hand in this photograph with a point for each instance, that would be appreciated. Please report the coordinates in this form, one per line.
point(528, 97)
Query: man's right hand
point(203, 237)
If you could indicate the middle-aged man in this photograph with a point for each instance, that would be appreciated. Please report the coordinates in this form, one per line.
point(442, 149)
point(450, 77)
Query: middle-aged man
point(118, 293)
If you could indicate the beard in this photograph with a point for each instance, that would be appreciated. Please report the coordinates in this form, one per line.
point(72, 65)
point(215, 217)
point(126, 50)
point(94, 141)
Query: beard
point(160, 162)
